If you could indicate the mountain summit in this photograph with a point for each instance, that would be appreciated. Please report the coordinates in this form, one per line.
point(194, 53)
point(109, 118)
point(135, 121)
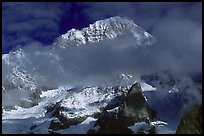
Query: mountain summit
point(106, 29)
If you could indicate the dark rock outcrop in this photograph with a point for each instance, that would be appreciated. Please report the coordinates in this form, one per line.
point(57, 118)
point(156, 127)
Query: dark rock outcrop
point(191, 122)
point(134, 109)
point(60, 121)
point(112, 123)
point(135, 106)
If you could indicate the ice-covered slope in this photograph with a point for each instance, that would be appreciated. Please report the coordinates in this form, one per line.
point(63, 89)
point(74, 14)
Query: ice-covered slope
point(72, 103)
point(106, 29)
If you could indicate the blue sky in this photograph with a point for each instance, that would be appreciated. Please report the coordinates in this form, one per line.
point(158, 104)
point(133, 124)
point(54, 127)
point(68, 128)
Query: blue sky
point(24, 23)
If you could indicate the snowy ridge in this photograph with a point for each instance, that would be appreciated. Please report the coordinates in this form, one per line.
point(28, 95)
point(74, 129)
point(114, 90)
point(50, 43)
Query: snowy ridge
point(14, 65)
point(85, 101)
point(89, 100)
point(106, 29)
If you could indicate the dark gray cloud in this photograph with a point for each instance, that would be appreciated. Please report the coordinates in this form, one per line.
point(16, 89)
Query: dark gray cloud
point(178, 29)
point(24, 23)
point(176, 25)
point(145, 14)
point(180, 44)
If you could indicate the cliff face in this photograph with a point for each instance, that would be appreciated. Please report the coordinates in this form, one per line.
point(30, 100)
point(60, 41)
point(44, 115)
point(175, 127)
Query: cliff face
point(135, 105)
point(131, 111)
point(191, 122)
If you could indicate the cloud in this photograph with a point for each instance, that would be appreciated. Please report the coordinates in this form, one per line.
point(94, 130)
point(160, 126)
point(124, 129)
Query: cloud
point(179, 46)
point(177, 27)
point(24, 23)
point(145, 14)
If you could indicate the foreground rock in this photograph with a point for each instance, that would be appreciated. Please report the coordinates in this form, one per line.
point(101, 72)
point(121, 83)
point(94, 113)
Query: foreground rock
point(134, 109)
point(135, 106)
point(80, 104)
point(191, 122)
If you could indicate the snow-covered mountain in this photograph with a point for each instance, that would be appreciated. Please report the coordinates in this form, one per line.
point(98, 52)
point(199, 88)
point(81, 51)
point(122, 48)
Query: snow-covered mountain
point(38, 98)
point(22, 68)
point(106, 29)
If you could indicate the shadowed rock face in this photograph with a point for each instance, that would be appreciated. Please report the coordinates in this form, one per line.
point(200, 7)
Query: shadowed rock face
point(112, 123)
point(134, 105)
point(134, 109)
point(62, 122)
point(191, 122)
